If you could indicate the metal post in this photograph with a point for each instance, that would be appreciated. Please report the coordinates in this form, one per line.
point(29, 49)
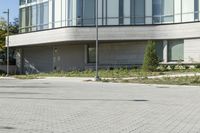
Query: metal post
point(97, 44)
point(8, 22)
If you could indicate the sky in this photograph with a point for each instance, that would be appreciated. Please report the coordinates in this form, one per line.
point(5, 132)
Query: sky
point(13, 5)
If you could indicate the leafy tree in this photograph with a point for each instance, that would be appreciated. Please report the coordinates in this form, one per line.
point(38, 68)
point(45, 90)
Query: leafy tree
point(13, 29)
point(2, 23)
point(2, 40)
point(151, 60)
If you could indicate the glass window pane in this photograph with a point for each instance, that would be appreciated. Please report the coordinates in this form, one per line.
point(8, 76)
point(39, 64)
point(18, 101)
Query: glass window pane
point(89, 12)
point(159, 50)
point(175, 50)
point(148, 11)
point(42, 16)
point(112, 12)
point(177, 11)
point(34, 18)
point(157, 11)
point(167, 11)
point(22, 2)
point(46, 15)
point(91, 54)
point(196, 10)
point(132, 15)
point(57, 13)
point(70, 12)
point(22, 19)
point(79, 12)
point(187, 10)
point(121, 11)
point(126, 12)
point(139, 11)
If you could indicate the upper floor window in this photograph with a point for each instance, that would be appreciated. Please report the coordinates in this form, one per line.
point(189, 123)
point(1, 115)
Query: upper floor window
point(22, 2)
point(163, 11)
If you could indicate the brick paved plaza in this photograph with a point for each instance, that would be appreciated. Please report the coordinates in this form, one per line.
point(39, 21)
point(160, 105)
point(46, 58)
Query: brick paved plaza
point(75, 106)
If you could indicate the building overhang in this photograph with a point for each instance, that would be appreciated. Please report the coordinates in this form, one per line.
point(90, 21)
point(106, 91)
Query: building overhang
point(117, 33)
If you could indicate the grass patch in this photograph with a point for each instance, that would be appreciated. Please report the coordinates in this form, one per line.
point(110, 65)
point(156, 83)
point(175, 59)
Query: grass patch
point(115, 73)
point(193, 80)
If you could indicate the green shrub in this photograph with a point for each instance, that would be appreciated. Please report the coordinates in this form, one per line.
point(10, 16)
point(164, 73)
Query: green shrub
point(197, 66)
point(151, 60)
point(162, 67)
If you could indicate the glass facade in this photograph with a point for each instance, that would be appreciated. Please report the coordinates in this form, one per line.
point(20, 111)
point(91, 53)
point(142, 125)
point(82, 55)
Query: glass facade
point(39, 15)
point(33, 18)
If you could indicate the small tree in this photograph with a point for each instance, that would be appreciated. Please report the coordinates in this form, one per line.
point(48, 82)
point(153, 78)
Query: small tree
point(2, 40)
point(151, 60)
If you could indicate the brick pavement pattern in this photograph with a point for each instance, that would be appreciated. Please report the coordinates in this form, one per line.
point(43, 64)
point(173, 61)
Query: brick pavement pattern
point(73, 106)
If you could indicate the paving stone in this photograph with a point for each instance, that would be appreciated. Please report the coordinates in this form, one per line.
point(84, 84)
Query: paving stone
point(59, 105)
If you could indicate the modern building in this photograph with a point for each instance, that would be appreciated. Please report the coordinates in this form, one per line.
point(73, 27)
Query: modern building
point(60, 34)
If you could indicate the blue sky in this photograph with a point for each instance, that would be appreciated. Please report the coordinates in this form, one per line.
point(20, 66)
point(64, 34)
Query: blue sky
point(13, 5)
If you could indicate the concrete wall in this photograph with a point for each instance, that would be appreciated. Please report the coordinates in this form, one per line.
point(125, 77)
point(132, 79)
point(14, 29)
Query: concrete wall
point(74, 56)
point(122, 53)
point(192, 51)
point(173, 31)
point(69, 57)
point(12, 69)
point(37, 59)
point(48, 58)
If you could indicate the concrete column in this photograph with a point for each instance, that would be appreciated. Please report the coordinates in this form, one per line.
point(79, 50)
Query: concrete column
point(85, 54)
point(19, 60)
point(165, 56)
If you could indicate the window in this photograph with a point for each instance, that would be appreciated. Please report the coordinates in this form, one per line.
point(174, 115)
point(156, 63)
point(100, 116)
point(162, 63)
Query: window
point(121, 11)
point(156, 11)
point(126, 12)
point(175, 50)
point(177, 11)
point(69, 12)
point(46, 15)
point(91, 54)
point(22, 19)
point(196, 10)
point(187, 10)
point(34, 18)
point(22, 2)
point(159, 50)
point(89, 12)
point(148, 11)
point(29, 1)
point(28, 18)
point(112, 12)
point(132, 16)
point(57, 13)
point(79, 12)
point(139, 11)
point(167, 11)
point(163, 11)
point(42, 16)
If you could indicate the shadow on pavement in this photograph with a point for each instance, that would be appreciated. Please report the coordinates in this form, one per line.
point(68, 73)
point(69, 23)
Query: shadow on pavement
point(63, 99)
